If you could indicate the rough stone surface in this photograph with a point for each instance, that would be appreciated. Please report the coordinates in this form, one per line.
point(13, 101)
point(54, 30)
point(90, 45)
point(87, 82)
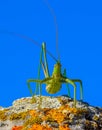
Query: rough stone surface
point(89, 119)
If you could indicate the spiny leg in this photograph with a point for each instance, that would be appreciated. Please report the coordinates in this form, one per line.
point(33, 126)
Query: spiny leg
point(31, 80)
point(40, 101)
point(81, 87)
point(44, 67)
point(45, 60)
point(65, 75)
point(31, 92)
point(29, 87)
point(38, 77)
point(28, 83)
point(74, 85)
point(38, 86)
point(46, 72)
point(44, 81)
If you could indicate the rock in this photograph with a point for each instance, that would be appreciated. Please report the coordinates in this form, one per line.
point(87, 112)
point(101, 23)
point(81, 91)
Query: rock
point(52, 113)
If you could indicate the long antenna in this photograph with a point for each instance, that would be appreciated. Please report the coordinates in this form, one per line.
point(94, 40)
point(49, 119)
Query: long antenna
point(56, 26)
point(31, 40)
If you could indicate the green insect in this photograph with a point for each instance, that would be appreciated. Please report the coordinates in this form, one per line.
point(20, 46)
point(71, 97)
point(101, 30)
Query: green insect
point(53, 82)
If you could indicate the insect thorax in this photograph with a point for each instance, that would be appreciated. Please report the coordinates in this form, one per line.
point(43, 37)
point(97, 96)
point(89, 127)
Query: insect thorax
point(57, 70)
point(55, 85)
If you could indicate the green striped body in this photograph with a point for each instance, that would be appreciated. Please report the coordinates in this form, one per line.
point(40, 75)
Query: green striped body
point(54, 85)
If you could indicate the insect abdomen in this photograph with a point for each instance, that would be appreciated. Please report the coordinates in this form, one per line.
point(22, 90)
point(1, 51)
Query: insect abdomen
point(53, 88)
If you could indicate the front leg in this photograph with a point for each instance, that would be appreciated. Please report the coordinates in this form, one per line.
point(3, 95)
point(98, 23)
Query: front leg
point(30, 81)
point(66, 80)
point(29, 87)
point(65, 75)
point(81, 87)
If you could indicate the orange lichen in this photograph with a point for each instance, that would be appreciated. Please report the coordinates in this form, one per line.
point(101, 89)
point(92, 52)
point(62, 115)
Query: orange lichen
point(70, 109)
point(40, 127)
point(57, 115)
point(64, 127)
point(33, 113)
point(17, 128)
point(60, 113)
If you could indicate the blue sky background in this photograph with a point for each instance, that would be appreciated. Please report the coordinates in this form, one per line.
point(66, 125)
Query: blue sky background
point(80, 45)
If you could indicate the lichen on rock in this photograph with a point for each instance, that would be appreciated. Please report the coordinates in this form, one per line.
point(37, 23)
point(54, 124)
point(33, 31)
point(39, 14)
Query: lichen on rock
point(53, 113)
